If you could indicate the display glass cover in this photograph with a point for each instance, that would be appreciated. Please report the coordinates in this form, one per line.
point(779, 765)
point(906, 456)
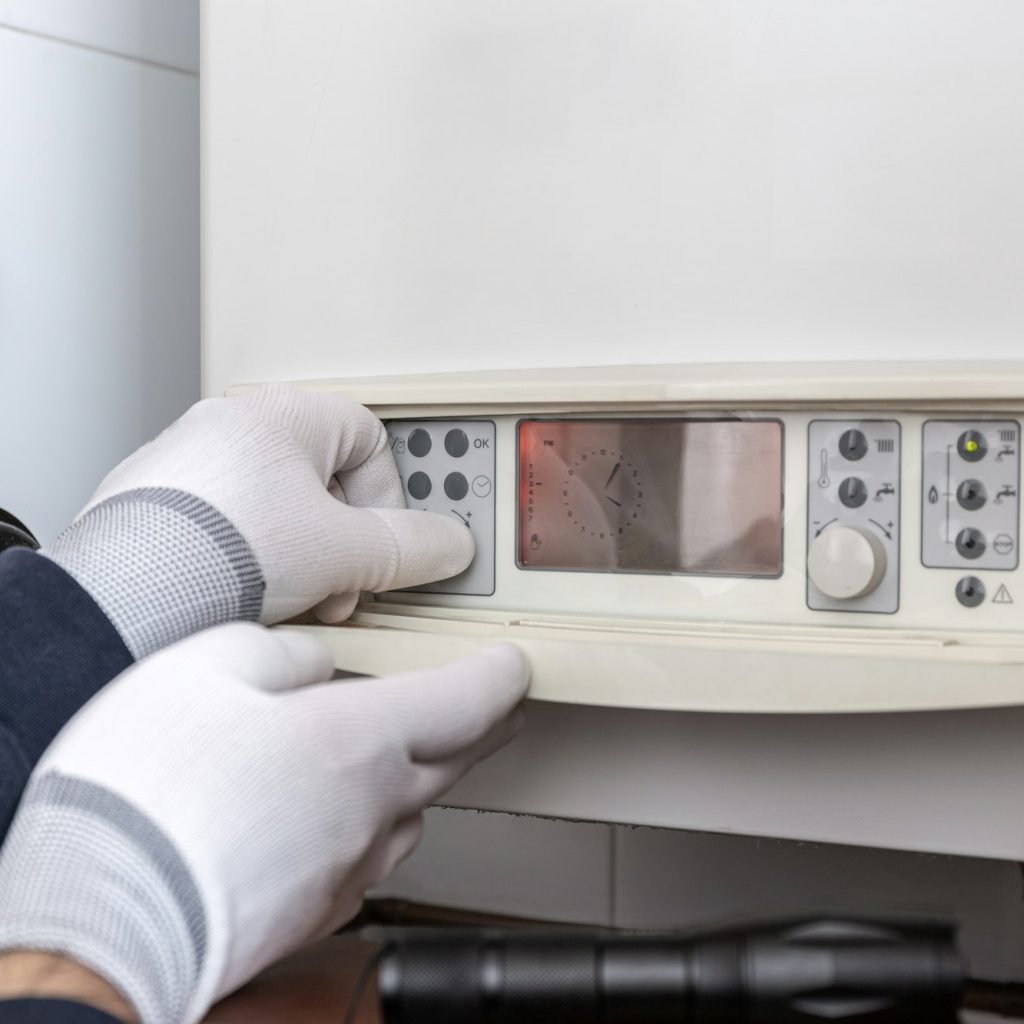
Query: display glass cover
point(656, 495)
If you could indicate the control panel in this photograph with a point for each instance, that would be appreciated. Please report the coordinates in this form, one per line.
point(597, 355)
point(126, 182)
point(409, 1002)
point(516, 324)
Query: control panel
point(447, 466)
point(970, 513)
point(853, 521)
point(673, 506)
point(755, 539)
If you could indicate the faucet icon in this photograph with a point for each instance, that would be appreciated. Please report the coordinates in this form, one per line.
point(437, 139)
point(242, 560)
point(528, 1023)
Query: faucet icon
point(1006, 492)
point(1006, 452)
point(883, 490)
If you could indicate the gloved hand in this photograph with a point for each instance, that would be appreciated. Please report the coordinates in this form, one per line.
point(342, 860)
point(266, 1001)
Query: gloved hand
point(195, 823)
point(257, 507)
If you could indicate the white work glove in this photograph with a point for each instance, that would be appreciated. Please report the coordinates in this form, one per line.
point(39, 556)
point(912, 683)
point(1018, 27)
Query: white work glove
point(194, 822)
point(257, 507)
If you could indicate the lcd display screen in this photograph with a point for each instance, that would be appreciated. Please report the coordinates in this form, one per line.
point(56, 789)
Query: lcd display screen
point(654, 496)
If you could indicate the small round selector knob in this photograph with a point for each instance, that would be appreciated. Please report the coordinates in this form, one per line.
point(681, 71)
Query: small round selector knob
point(846, 562)
point(853, 492)
point(972, 446)
point(853, 445)
point(971, 495)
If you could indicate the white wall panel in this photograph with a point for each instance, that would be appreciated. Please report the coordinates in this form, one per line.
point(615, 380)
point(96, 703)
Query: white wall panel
point(825, 778)
point(161, 31)
point(99, 281)
point(410, 187)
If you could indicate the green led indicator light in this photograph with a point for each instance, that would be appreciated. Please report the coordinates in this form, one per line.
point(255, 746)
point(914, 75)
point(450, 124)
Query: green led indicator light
point(971, 446)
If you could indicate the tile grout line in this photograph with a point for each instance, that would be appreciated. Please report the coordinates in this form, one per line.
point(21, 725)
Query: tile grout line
point(103, 51)
point(613, 893)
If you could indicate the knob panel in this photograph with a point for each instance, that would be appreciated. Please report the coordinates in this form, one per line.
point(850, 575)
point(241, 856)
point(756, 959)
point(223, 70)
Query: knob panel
point(846, 562)
point(853, 515)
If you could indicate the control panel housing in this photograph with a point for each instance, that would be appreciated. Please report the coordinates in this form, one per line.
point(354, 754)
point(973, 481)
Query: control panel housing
point(862, 559)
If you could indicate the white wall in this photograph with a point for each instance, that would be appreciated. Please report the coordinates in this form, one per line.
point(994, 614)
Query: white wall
point(99, 241)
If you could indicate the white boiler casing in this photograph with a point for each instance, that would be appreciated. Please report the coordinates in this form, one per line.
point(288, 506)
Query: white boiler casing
point(406, 189)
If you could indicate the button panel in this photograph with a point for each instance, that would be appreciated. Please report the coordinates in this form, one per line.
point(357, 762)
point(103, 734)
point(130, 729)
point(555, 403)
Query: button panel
point(970, 494)
point(854, 489)
point(448, 467)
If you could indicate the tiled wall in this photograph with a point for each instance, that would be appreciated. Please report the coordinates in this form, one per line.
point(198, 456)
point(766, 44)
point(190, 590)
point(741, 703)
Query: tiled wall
point(99, 241)
point(653, 878)
point(503, 864)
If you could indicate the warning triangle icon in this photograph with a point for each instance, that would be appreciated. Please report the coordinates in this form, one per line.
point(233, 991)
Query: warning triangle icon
point(1002, 596)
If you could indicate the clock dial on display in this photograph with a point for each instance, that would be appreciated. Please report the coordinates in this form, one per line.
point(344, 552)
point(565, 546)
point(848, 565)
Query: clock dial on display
point(602, 493)
point(662, 496)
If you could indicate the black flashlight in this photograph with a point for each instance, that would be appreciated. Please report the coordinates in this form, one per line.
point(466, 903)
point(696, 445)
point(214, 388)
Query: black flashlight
point(825, 969)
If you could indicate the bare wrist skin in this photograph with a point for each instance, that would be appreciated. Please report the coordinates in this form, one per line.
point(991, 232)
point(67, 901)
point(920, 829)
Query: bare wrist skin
point(29, 975)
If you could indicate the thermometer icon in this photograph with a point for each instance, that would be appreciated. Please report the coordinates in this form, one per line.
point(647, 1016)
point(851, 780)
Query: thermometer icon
point(823, 480)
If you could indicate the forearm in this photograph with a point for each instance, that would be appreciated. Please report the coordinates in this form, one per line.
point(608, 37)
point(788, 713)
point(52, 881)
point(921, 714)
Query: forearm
point(57, 649)
point(30, 975)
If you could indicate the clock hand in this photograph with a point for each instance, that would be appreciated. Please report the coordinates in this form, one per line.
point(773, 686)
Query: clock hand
point(618, 466)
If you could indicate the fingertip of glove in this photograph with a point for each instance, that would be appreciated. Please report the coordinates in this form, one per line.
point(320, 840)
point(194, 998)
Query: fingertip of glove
point(336, 608)
point(460, 545)
point(268, 659)
point(508, 665)
point(308, 658)
point(431, 547)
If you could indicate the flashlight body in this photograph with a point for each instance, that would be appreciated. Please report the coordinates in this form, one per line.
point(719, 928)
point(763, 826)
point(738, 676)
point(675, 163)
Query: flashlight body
point(825, 969)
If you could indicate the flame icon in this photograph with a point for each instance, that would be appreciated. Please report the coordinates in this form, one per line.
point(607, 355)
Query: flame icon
point(933, 496)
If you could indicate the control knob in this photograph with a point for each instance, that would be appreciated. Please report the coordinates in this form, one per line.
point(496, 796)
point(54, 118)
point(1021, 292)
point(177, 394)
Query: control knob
point(846, 562)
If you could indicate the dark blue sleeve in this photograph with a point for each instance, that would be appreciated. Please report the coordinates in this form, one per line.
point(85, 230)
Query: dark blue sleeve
point(51, 1011)
point(57, 649)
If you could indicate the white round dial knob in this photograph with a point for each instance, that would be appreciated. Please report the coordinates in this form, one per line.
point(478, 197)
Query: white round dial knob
point(846, 562)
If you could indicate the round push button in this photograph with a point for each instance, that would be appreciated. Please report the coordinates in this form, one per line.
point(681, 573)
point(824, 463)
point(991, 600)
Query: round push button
point(456, 486)
point(970, 592)
point(456, 444)
point(853, 445)
point(971, 495)
point(972, 446)
point(420, 486)
point(420, 443)
point(970, 543)
point(853, 492)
